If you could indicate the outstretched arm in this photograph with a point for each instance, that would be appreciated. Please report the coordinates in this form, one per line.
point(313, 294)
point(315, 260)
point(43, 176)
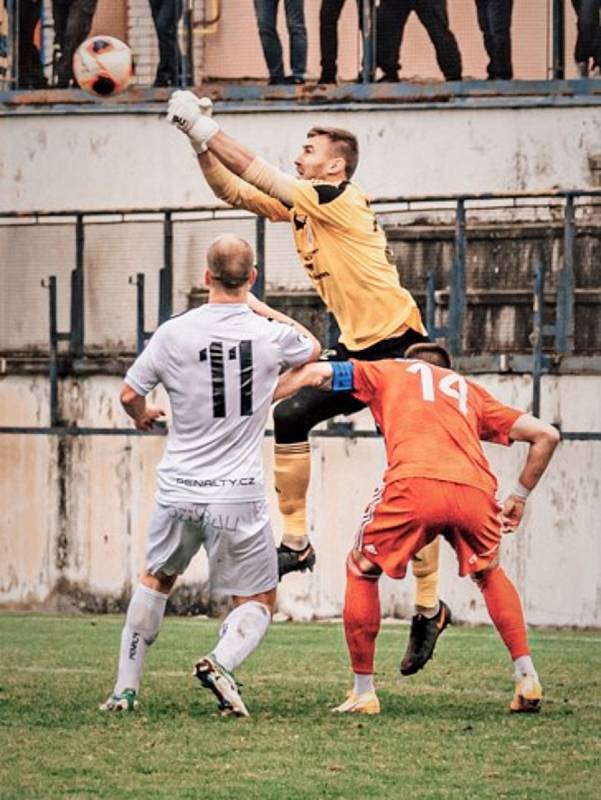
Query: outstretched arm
point(192, 117)
point(239, 193)
point(263, 310)
point(318, 375)
point(543, 439)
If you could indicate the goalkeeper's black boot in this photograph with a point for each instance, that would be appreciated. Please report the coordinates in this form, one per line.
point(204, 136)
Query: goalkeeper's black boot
point(290, 560)
point(422, 639)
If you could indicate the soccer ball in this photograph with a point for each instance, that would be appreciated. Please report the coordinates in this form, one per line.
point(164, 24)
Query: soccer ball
point(103, 66)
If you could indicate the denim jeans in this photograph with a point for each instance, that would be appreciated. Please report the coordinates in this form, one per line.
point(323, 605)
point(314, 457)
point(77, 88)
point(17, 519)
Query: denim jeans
point(266, 11)
point(588, 43)
point(494, 19)
point(72, 24)
point(166, 15)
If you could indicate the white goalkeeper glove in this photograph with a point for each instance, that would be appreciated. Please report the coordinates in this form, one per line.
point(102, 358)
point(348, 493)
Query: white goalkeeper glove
point(192, 115)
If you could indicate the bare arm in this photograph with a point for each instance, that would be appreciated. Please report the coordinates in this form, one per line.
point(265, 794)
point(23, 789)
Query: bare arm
point(263, 310)
point(135, 405)
point(239, 193)
point(244, 163)
point(236, 157)
point(317, 375)
point(543, 439)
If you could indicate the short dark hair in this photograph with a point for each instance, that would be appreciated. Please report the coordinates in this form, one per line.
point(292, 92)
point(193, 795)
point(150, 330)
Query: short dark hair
point(230, 261)
point(345, 143)
point(432, 352)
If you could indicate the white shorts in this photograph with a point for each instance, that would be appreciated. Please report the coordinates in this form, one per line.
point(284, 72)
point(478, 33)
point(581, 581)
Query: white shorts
point(237, 537)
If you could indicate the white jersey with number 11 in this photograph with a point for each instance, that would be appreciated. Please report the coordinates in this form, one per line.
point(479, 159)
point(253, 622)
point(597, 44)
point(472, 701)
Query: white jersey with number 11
point(219, 364)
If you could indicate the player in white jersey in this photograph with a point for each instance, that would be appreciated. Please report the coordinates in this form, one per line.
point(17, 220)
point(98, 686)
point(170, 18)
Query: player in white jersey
point(219, 364)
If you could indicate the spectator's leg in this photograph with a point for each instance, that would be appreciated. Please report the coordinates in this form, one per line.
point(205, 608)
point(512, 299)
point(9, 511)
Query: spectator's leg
point(588, 43)
point(166, 14)
point(581, 57)
point(483, 11)
point(597, 40)
point(295, 21)
point(31, 74)
point(392, 17)
point(78, 25)
point(328, 38)
point(60, 13)
point(435, 19)
point(500, 31)
point(267, 12)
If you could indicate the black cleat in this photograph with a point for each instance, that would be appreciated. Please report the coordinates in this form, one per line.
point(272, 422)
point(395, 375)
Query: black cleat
point(422, 639)
point(290, 560)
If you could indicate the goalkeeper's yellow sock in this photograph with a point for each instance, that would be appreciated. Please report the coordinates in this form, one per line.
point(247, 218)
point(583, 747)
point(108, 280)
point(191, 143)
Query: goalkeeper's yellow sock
point(292, 470)
point(425, 571)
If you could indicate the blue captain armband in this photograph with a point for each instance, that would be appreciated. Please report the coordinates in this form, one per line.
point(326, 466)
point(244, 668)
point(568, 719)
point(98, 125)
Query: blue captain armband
point(342, 376)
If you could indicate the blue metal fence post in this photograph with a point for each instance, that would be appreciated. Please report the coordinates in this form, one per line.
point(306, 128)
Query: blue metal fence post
point(564, 335)
point(457, 294)
point(259, 287)
point(166, 273)
point(53, 338)
point(77, 292)
point(139, 282)
point(537, 335)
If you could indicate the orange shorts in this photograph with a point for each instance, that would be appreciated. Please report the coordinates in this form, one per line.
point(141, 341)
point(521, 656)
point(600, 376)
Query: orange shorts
point(406, 515)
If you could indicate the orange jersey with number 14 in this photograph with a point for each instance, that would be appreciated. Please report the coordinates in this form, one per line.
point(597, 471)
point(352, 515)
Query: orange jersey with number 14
point(433, 420)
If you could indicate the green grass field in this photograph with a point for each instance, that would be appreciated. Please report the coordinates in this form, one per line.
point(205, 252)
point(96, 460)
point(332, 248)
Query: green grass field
point(444, 733)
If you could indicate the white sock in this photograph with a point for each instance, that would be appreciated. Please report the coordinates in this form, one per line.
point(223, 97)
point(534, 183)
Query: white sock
point(142, 624)
point(523, 666)
point(363, 683)
point(240, 633)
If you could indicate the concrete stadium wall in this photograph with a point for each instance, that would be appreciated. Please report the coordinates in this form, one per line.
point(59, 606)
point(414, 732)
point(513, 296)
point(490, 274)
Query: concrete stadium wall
point(126, 160)
point(75, 510)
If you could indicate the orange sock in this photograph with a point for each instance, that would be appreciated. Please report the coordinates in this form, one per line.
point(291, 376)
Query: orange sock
point(361, 617)
point(505, 609)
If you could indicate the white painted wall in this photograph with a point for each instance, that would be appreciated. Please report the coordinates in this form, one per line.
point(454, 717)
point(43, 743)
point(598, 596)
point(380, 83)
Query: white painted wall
point(125, 160)
point(555, 559)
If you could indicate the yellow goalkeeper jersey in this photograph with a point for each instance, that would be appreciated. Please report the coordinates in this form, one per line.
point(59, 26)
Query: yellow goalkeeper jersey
point(344, 252)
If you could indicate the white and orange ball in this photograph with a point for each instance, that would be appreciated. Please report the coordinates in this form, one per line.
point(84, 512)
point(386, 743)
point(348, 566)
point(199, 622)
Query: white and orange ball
point(103, 66)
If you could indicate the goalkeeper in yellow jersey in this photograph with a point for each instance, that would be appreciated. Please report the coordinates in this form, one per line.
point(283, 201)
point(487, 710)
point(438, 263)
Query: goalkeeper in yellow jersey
point(344, 251)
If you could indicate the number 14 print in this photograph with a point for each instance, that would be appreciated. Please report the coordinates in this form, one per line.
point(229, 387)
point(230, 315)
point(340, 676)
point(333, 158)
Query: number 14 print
point(452, 385)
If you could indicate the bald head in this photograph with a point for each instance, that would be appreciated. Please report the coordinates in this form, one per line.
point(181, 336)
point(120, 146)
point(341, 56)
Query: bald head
point(230, 261)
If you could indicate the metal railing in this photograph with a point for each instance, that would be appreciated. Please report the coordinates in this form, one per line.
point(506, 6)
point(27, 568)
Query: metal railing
point(538, 363)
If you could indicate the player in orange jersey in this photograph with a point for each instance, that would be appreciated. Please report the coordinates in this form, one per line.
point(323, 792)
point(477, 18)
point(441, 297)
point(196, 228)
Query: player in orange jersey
point(437, 482)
